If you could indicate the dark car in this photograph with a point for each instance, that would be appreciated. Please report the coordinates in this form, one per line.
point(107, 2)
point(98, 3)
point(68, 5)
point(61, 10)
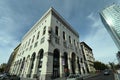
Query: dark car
point(74, 77)
point(106, 72)
point(14, 77)
point(5, 76)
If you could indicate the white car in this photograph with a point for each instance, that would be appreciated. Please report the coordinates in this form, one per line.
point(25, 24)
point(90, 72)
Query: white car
point(74, 77)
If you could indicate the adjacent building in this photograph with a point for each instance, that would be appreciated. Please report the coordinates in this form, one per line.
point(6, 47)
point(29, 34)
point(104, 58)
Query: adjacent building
point(12, 58)
point(88, 57)
point(110, 17)
point(49, 49)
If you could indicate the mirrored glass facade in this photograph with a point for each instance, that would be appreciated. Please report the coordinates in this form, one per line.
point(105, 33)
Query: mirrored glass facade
point(110, 17)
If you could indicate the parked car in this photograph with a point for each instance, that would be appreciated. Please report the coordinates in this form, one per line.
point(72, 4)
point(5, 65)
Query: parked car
point(74, 77)
point(106, 72)
point(5, 76)
point(14, 77)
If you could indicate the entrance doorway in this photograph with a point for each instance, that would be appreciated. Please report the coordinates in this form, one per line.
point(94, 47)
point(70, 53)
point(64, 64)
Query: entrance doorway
point(56, 66)
point(73, 63)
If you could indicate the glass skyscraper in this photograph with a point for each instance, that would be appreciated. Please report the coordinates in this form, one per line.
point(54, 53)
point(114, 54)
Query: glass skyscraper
point(110, 17)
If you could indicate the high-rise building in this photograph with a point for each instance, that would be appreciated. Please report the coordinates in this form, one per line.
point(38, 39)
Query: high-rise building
point(110, 17)
point(49, 49)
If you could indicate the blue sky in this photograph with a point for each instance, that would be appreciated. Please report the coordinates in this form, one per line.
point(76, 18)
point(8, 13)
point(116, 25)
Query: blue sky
point(18, 16)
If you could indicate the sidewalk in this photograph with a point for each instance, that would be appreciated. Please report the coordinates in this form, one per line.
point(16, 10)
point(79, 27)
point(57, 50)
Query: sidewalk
point(63, 78)
point(90, 75)
point(84, 76)
point(117, 76)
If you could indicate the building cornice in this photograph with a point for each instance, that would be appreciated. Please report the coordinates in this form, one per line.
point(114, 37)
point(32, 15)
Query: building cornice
point(37, 23)
point(86, 45)
point(63, 21)
point(58, 16)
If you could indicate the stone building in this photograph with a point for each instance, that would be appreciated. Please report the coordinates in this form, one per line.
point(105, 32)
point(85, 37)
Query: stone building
point(49, 49)
point(12, 58)
point(88, 57)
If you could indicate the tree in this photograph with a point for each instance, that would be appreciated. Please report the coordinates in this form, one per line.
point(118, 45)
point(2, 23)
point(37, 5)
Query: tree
point(100, 66)
point(3, 67)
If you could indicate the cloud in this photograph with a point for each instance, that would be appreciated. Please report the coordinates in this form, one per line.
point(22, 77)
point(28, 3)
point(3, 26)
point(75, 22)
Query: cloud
point(17, 17)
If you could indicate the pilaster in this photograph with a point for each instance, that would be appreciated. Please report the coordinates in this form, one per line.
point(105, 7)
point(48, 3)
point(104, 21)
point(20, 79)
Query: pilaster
point(28, 70)
point(76, 67)
point(61, 66)
point(69, 65)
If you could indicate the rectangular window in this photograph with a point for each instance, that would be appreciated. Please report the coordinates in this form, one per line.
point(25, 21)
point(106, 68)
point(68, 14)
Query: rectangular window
point(69, 39)
point(42, 40)
point(63, 35)
point(56, 30)
point(36, 44)
point(44, 30)
point(33, 39)
point(74, 42)
point(29, 42)
point(30, 47)
point(38, 35)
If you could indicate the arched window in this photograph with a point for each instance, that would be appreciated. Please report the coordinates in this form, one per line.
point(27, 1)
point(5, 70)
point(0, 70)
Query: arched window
point(66, 64)
point(32, 65)
point(73, 63)
point(56, 65)
point(40, 58)
point(33, 59)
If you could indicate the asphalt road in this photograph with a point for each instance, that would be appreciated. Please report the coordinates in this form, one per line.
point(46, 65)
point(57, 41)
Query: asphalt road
point(101, 76)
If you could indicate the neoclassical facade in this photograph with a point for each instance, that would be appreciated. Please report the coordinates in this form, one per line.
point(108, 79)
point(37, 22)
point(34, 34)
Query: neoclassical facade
point(49, 49)
point(88, 57)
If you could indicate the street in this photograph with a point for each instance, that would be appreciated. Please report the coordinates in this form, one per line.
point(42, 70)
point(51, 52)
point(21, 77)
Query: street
point(101, 76)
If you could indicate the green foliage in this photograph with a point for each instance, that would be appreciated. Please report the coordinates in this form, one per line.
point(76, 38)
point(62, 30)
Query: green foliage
point(100, 66)
point(3, 67)
point(117, 66)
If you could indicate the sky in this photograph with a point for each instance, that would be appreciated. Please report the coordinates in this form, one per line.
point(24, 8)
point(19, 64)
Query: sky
point(18, 16)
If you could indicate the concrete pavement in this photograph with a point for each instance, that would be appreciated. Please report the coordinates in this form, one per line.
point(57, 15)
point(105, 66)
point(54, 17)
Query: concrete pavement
point(63, 78)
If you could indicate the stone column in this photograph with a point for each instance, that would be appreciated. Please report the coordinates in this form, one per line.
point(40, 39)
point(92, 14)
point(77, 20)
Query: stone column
point(61, 66)
point(69, 65)
point(15, 70)
point(29, 67)
point(49, 71)
point(35, 68)
point(19, 67)
point(76, 66)
point(24, 68)
point(81, 68)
